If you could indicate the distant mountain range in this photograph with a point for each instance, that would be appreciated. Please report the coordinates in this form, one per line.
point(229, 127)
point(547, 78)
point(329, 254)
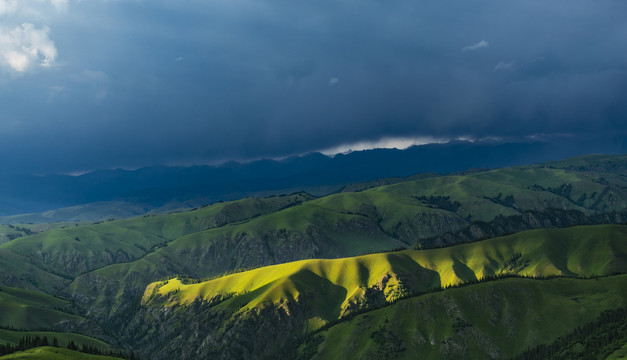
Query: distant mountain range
point(118, 193)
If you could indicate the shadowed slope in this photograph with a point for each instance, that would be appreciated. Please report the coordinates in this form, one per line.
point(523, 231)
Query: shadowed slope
point(59, 255)
point(494, 320)
point(24, 309)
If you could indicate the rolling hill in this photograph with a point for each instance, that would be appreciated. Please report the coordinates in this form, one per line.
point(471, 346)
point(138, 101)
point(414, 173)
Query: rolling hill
point(24, 309)
point(26, 313)
point(406, 214)
point(494, 320)
point(105, 268)
point(577, 251)
point(51, 353)
point(289, 301)
point(59, 255)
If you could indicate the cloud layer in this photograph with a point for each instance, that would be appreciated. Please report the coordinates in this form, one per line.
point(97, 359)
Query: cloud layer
point(161, 82)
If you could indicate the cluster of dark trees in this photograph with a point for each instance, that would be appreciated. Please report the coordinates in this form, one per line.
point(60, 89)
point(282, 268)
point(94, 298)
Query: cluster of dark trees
point(595, 340)
point(29, 342)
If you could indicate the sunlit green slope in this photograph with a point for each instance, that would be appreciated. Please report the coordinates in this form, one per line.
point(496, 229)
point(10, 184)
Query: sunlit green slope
point(264, 312)
point(336, 287)
point(493, 320)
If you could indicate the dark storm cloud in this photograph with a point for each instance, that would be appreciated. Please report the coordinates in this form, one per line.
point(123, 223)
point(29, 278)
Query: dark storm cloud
point(144, 82)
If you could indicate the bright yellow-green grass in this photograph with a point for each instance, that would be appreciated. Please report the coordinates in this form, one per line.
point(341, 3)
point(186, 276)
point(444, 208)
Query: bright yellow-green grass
point(51, 353)
point(25, 309)
point(337, 284)
point(492, 320)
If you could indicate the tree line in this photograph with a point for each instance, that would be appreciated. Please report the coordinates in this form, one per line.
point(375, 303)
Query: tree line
point(30, 342)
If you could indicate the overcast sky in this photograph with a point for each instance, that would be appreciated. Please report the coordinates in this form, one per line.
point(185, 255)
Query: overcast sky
point(127, 83)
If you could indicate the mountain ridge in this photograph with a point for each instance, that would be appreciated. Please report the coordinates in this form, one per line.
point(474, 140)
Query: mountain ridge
point(163, 188)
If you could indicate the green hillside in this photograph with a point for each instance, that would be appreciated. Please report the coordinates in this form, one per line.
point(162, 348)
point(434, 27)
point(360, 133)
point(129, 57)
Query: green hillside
point(381, 218)
point(24, 309)
point(56, 256)
point(26, 313)
point(51, 353)
point(9, 233)
point(288, 301)
point(105, 268)
point(345, 224)
point(619, 354)
point(614, 164)
point(492, 320)
point(340, 285)
point(88, 213)
point(64, 338)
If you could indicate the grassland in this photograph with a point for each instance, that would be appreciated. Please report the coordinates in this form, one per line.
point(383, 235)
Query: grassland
point(492, 320)
point(57, 256)
point(106, 267)
point(336, 287)
point(28, 313)
point(391, 305)
point(280, 229)
point(619, 354)
point(376, 219)
point(24, 309)
point(616, 164)
point(51, 353)
point(64, 338)
point(8, 233)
